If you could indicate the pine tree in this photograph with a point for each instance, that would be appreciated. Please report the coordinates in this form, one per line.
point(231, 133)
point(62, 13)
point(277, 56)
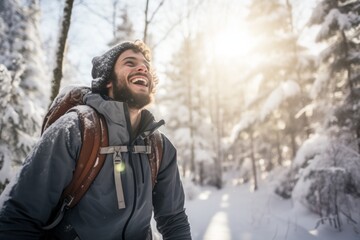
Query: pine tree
point(339, 76)
point(283, 71)
point(23, 85)
point(328, 181)
point(189, 123)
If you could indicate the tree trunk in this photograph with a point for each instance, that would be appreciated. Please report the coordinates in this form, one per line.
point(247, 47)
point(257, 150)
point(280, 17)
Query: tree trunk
point(253, 161)
point(115, 10)
point(57, 72)
point(293, 143)
point(219, 158)
point(201, 173)
point(278, 148)
point(190, 106)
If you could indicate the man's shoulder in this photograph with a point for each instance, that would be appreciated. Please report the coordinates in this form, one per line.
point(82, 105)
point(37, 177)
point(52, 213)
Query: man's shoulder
point(67, 122)
point(167, 143)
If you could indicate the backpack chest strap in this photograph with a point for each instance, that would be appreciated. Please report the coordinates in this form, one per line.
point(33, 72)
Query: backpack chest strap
point(146, 149)
point(119, 166)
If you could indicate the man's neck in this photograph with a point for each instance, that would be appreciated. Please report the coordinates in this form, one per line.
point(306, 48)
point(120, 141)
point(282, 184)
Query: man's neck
point(135, 117)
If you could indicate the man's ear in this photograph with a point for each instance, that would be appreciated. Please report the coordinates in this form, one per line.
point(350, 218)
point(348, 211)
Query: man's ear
point(109, 87)
point(109, 84)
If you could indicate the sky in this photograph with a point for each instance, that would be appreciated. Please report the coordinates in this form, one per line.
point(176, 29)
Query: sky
point(91, 28)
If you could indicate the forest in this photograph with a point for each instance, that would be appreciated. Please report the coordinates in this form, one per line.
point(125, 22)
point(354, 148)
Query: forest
point(248, 89)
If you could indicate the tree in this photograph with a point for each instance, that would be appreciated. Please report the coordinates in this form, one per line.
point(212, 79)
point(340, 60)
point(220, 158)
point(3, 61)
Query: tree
point(23, 84)
point(188, 121)
point(274, 122)
point(339, 76)
point(282, 75)
point(124, 30)
point(324, 176)
point(149, 19)
point(58, 69)
point(329, 181)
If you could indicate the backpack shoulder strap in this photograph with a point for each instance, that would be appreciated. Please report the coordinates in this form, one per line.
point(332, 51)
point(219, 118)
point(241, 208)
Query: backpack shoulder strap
point(156, 155)
point(90, 161)
point(94, 135)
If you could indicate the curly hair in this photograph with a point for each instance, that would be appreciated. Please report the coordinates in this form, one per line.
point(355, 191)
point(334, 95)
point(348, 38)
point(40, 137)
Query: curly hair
point(140, 46)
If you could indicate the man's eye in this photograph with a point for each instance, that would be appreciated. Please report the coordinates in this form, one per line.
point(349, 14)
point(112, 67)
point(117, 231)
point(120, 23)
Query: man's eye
point(129, 63)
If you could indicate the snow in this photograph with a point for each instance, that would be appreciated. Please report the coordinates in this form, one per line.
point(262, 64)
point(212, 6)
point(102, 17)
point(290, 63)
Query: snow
point(235, 212)
point(6, 168)
point(332, 18)
point(15, 173)
point(10, 114)
point(320, 82)
point(280, 94)
point(285, 90)
point(246, 121)
point(311, 147)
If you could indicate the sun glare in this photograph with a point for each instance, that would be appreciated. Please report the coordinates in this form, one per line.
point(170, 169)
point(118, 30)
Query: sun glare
point(230, 43)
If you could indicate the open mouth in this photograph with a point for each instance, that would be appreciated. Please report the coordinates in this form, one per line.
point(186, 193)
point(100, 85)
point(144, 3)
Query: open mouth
point(140, 81)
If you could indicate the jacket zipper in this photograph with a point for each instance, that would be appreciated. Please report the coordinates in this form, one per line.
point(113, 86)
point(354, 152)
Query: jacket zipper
point(132, 142)
point(142, 168)
point(135, 196)
point(127, 117)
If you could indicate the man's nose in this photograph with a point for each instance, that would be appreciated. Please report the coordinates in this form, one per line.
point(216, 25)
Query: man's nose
point(142, 68)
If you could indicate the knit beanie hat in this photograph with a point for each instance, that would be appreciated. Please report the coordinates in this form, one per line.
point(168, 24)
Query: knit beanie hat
point(103, 66)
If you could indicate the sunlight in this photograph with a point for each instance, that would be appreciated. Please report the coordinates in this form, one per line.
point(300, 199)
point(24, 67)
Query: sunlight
point(218, 228)
point(314, 232)
point(204, 195)
point(232, 42)
point(224, 201)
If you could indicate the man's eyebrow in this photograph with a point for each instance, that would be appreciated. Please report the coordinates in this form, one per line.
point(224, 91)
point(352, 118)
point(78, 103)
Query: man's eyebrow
point(136, 59)
point(127, 58)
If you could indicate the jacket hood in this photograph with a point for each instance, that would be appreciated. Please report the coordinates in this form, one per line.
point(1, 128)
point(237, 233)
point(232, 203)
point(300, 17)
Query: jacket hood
point(117, 113)
point(112, 110)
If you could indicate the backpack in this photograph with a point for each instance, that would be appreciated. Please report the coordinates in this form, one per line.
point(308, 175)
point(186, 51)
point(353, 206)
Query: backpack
point(94, 137)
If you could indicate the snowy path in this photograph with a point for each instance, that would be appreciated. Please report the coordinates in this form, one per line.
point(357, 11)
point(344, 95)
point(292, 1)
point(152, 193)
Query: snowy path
point(234, 213)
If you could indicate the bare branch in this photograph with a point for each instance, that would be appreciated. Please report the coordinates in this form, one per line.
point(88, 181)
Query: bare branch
point(180, 20)
point(146, 21)
point(96, 13)
point(156, 10)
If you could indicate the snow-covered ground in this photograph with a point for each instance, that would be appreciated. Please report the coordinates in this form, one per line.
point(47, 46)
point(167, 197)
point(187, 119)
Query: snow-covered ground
point(234, 213)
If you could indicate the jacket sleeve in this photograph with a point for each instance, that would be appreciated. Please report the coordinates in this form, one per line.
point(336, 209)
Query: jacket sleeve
point(34, 193)
point(168, 198)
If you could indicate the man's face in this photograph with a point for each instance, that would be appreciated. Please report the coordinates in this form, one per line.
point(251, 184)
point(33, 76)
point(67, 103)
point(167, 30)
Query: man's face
point(133, 83)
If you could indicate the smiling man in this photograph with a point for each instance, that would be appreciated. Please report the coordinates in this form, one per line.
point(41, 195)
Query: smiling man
point(120, 202)
point(132, 81)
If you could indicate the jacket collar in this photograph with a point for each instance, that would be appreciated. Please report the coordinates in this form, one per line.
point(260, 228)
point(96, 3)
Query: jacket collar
point(117, 112)
point(112, 110)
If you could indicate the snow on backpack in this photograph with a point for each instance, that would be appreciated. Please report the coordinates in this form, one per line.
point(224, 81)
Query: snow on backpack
point(94, 139)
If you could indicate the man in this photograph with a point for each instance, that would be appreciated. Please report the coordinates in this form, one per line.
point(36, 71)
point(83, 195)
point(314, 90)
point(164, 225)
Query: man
point(124, 83)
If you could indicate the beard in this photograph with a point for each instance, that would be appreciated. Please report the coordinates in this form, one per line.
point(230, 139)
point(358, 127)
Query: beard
point(122, 93)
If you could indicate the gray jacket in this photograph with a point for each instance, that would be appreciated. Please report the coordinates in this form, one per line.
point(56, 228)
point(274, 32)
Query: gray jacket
point(49, 167)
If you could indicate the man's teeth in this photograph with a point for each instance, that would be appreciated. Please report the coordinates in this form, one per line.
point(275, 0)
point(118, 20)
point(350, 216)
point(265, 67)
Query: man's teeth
point(139, 81)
